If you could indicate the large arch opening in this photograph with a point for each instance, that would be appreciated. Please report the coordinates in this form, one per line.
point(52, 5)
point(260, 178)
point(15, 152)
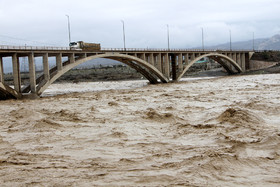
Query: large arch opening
point(227, 63)
point(152, 74)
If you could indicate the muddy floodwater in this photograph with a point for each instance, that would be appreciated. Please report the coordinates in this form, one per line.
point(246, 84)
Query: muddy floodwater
point(199, 132)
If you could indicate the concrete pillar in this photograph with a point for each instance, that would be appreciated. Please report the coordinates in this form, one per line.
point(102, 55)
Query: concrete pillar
point(155, 60)
point(173, 66)
point(159, 62)
point(32, 74)
point(1, 70)
point(238, 59)
point(147, 56)
point(180, 62)
point(142, 56)
point(166, 66)
point(162, 64)
point(192, 56)
point(71, 58)
point(234, 57)
point(151, 59)
point(243, 61)
point(16, 73)
point(186, 56)
point(59, 61)
point(46, 66)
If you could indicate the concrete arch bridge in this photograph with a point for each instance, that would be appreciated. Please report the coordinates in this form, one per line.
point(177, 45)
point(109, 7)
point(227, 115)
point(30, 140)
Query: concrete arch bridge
point(157, 66)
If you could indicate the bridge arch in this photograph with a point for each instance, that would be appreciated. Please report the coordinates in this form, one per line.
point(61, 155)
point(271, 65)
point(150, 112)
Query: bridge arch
point(218, 58)
point(143, 67)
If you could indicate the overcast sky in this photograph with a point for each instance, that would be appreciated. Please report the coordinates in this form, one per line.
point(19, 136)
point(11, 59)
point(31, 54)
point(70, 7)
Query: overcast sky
point(146, 21)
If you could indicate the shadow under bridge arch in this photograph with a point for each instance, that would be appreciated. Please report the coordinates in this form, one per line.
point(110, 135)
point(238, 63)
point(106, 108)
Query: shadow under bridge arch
point(147, 70)
point(224, 60)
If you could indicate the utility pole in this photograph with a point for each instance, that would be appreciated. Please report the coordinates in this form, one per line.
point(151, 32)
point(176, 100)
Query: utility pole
point(253, 41)
point(123, 35)
point(202, 38)
point(69, 32)
point(168, 37)
point(230, 46)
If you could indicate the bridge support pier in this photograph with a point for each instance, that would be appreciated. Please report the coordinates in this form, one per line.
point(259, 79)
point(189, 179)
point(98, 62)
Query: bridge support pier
point(186, 60)
point(151, 59)
point(16, 73)
point(159, 62)
point(243, 62)
point(180, 63)
point(166, 66)
point(173, 66)
point(32, 74)
point(46, 66)
point(59, 61)
point(1, 70)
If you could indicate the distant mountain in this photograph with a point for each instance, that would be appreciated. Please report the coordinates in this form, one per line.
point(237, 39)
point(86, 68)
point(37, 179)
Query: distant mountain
point(272, 43)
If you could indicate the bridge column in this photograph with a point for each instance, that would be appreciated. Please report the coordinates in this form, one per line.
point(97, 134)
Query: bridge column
point(230, 55)
point(166, 66)
point(159, 64)
point(142, 56)
point(1, 70)
point(59, 61)
point(173, 66)
point(16, 73)
point(151, 59)
point(46, 66)
point(234, 56)
point(32, 74)
point(180, 62)
point(192, 56)
point(71, 58)
point(155, 60)
point(186, 57)
point(243, 62)
point(238, 59)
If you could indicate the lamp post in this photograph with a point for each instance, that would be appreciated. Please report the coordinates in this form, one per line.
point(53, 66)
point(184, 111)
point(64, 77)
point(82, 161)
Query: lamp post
point(230, 46)
point(202, 35)
point(168, 44)
point(253, 41)
point(123, 35)
point(69, 32)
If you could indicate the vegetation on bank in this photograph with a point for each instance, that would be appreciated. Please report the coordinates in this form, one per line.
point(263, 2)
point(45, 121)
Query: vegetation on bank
point(267, 56)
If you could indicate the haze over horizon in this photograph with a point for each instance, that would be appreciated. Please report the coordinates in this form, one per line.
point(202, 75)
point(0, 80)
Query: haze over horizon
point(44, 22)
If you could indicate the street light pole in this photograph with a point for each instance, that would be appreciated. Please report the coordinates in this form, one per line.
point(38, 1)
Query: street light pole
point(168, 37)
point(123, 35)
point(230, 46)
point(253, 41)
point(202, 38)
point(69, 32)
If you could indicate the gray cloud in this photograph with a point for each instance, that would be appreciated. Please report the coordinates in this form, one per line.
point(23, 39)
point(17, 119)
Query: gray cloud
point(145, 21)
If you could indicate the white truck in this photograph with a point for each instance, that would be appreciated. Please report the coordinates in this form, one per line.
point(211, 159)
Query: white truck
point(80, 45)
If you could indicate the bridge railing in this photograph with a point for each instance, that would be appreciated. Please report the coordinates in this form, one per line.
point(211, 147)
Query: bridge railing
point(9, 47)
point(167, 50)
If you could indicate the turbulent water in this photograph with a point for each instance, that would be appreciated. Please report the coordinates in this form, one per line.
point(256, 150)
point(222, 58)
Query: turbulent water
point(211, 132)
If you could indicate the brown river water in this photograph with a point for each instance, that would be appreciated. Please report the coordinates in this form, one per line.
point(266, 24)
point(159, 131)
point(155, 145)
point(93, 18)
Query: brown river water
point(199, 132)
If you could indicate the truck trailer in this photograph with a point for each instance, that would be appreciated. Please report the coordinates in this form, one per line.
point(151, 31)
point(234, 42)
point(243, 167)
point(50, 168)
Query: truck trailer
point(80, 45)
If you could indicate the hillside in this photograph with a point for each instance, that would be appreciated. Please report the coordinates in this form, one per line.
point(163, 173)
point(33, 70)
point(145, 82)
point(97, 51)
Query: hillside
point(272, 43)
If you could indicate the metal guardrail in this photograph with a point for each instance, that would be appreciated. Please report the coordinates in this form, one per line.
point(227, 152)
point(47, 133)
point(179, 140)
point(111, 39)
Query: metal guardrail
point(167, 50)
point(9, 47)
